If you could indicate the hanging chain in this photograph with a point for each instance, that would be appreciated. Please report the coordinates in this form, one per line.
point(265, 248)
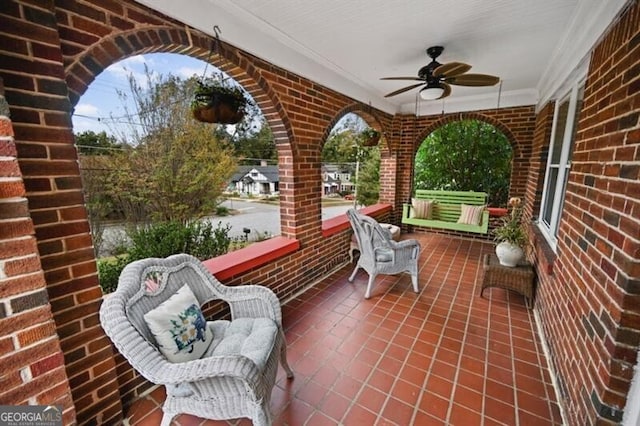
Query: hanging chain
point(215, 47)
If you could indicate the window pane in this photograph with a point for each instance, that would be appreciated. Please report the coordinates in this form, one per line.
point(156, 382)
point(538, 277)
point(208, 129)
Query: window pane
point(576, 116)
point(550, 190)
point(560, 129)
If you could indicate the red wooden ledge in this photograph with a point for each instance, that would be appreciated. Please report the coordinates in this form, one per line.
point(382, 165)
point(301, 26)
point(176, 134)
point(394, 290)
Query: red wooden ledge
point(244, 260)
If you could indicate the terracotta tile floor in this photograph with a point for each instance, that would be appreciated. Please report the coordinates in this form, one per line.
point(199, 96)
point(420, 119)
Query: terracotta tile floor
point(443, 357)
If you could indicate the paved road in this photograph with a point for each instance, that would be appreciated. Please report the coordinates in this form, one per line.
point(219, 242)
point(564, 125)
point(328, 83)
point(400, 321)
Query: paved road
point(261, 219)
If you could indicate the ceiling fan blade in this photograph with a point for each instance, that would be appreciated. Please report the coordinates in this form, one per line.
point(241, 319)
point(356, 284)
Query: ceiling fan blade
point(451, 69)
point(404, 89)
point(473, 80)
point(402, 78)
point(447, 90)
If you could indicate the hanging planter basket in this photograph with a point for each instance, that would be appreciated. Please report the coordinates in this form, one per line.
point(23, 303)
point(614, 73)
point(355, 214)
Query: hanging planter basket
point(371, 137)
point(215, 102)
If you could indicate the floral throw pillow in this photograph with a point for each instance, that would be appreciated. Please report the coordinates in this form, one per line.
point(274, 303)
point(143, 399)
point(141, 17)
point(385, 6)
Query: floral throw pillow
point(179, 327)
point(470, 215)
point(422, 208)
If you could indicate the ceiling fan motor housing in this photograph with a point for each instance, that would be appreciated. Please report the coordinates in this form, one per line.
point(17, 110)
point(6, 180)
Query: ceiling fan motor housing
point(426, 72)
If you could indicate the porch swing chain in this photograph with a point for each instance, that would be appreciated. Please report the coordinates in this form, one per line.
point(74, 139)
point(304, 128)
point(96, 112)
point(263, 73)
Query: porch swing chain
point(215, 47)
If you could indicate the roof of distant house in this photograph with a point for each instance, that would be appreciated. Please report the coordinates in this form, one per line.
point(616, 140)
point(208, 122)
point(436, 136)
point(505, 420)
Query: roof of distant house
point(270, 172)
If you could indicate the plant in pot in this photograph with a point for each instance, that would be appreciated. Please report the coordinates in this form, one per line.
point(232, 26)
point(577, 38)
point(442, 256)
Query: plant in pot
point(217, 101)
point(511, 236)
point(370, 137)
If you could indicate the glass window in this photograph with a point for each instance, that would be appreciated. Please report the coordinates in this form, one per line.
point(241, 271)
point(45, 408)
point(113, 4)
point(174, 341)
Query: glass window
point(565, 126)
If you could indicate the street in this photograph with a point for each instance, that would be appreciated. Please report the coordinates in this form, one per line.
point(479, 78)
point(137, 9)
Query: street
point(263, 220)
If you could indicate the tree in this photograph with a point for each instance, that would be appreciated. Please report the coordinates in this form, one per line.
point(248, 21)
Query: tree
point(369, 177)
point(251, 144)
point(467, 155)
point(172, 167)
point(92, 143)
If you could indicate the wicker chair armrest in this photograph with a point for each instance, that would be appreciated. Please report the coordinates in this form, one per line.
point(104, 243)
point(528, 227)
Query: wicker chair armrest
point(253, 301)
point(404, 244)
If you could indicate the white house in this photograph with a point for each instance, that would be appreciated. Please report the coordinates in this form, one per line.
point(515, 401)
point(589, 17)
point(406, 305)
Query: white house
point(255, 180)
point(337, 178)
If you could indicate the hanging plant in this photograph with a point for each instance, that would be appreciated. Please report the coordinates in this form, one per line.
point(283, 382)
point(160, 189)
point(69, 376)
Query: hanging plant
point(217, 101)
point(370, 137)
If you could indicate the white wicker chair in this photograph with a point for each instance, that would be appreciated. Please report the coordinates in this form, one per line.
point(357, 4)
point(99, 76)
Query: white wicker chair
point(380, 254)
point(215, 386)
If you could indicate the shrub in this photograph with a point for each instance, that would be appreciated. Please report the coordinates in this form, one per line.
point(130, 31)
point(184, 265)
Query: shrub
point(199, 239)
point(109, 269)
point(222, 211)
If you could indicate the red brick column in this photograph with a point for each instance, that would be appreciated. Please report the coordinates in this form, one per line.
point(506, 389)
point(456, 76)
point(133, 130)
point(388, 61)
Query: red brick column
point(31, 66)
point(31, 361)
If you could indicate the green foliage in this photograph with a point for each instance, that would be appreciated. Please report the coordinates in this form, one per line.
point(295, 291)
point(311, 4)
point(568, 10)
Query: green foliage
point(200, 239)
point(511, 229)
point(369, 178)
point(341, 147)
point(467, 155)
point(92, 143)
point(172, 168)
point(222, 211)
point(109, 270)
point(218, 84)
point(254, 143)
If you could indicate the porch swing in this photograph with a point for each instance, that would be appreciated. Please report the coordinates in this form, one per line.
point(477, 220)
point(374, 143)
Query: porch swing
point(464, 211)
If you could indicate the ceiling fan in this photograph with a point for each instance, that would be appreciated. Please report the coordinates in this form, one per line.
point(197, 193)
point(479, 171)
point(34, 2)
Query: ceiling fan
point(439, 77)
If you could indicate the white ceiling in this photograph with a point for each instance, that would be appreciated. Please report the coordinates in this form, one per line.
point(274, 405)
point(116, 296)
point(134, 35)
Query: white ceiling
point(532, 45)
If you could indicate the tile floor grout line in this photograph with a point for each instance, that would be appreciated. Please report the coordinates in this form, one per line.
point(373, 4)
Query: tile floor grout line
point(513, 362)
point(388, 395)
point(433, 358)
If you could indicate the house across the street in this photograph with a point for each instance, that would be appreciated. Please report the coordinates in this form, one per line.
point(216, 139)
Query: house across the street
point(263, 180)
point(337, 178)
point(255, 180)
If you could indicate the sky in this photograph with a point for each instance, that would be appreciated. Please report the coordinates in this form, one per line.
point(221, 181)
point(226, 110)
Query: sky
point(101, 109)
point(101, 102)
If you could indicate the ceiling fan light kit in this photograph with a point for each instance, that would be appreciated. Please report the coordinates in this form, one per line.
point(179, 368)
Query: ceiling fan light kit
point(431, 93)
point(437, 78)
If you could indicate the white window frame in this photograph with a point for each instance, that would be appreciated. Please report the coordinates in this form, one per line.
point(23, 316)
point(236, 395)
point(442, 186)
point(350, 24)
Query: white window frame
point(550, 230)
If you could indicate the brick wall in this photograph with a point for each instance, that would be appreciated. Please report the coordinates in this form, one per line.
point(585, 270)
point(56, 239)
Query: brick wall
point(517, 124)
point(35, 89)
point(31, 360)
point(589, 301)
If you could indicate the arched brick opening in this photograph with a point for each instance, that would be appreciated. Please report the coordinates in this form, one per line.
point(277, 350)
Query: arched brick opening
point(388, 159)
point(515, 146)
point(163, 39)
point(80, 73)
point(516, 123)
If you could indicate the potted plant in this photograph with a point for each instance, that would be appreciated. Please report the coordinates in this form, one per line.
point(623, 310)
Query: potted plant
point(370, 137)
point(217, 101)
point(511, 236)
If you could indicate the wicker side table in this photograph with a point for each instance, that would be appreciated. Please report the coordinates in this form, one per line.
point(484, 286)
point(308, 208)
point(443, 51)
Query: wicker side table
point(519, 278)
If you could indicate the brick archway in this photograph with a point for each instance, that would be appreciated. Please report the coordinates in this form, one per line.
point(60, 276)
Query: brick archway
point(388, 159)
point(165, 39)
point(516, 123)
point(450, 118)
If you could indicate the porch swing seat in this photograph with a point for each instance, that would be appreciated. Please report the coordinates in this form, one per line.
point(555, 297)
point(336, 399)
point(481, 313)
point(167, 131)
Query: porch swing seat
point(446, 207)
